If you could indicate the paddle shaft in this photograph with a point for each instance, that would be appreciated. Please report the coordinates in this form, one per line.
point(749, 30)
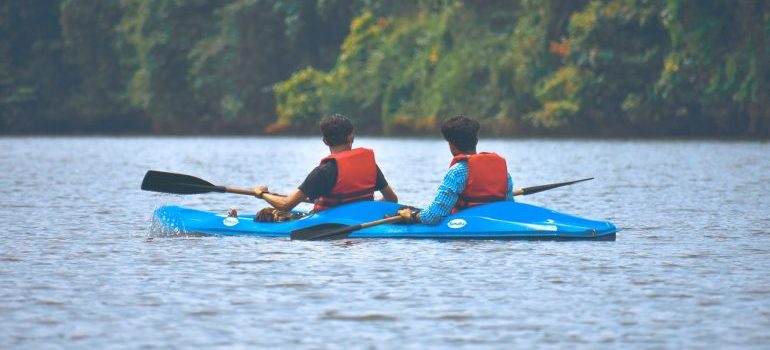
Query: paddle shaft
point(247, 192)
point(375, 223)
point(320, 232)
point(243, 191)
point(535, 189)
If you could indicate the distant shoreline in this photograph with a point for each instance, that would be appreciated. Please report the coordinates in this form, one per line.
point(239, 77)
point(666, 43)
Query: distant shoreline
point(437, 136)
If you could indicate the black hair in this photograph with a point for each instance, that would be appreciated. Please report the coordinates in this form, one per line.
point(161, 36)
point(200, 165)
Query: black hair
point(336, 128)
point(461, 131)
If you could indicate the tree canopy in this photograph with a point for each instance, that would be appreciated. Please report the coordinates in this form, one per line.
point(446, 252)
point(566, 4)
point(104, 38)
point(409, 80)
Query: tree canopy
point(523, 67)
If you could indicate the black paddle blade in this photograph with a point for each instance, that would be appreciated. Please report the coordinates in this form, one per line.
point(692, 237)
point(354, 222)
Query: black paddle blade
point(541, 188)
point(160, 181)
point(322, 231)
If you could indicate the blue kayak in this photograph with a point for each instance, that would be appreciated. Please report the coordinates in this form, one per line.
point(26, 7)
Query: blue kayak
point(500, 220)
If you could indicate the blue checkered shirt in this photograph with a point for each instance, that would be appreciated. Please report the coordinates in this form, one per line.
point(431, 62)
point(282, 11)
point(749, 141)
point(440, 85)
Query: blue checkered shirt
point(448, 192)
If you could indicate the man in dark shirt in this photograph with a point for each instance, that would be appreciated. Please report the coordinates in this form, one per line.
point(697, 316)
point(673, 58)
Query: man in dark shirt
point(346, 175)
point(323, 177)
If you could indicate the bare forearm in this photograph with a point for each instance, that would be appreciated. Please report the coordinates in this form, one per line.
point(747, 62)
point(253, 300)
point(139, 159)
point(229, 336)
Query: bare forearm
point(388, 194)
point(278, 202)
point(284, 203)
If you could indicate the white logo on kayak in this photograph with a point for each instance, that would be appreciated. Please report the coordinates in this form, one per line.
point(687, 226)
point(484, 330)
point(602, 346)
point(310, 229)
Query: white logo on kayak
point(230, 221)
point(538, 227)
point(456, 223)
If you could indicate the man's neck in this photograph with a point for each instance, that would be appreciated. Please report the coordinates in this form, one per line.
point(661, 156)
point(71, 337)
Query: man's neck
point(469, 152)
point(340, 148)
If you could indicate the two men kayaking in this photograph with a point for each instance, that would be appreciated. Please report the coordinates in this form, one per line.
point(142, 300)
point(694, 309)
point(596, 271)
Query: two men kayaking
point(349, 175)
point(346, 175)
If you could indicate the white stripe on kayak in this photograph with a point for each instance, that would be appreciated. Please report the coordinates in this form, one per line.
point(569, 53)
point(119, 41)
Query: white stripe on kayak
point(537, 227)
point(540, 227)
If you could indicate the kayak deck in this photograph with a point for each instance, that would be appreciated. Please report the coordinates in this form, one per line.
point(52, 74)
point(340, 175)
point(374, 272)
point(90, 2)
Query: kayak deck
point(500, 220)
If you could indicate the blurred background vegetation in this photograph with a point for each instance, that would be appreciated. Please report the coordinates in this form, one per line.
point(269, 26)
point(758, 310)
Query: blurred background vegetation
point(524, 67)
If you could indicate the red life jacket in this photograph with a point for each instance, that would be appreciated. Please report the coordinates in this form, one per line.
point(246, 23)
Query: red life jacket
point(356, 178)
point(487, 180)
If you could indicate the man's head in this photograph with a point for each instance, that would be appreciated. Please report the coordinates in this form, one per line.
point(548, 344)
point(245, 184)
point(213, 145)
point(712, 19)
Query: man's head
point(461, 132)
point(337, 130)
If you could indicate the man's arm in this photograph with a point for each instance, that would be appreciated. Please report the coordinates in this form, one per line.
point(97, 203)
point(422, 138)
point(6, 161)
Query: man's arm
point(388, 194)
point(448, 192)
point(382, 185)
point(280, 202)
point(511, 191)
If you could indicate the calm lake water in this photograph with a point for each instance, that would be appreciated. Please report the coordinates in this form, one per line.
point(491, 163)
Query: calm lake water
point(80, 267)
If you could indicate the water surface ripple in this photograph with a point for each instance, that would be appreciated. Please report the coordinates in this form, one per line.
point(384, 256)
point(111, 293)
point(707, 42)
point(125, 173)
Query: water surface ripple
point(80, 267)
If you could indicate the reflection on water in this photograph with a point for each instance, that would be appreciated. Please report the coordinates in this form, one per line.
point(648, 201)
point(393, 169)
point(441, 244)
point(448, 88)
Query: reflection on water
point(79, 267)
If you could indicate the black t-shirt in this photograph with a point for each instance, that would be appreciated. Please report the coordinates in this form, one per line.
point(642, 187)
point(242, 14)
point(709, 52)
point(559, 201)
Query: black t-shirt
point(321, 180)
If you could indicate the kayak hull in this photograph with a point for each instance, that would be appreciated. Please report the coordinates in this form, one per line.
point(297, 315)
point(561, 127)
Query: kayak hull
point(500, 220)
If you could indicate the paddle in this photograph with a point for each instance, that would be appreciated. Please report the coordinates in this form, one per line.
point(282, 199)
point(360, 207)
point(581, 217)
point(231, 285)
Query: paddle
point(335, 231)
point(161, 181)
point(340, 231)
point(535, 189)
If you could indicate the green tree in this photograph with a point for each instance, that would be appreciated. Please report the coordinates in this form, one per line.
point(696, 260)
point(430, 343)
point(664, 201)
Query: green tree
point(34, 79)
point(97, 96)
point(596, 67)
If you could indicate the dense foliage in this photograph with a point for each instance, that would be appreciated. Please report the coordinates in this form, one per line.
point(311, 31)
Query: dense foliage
point(579, 67)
